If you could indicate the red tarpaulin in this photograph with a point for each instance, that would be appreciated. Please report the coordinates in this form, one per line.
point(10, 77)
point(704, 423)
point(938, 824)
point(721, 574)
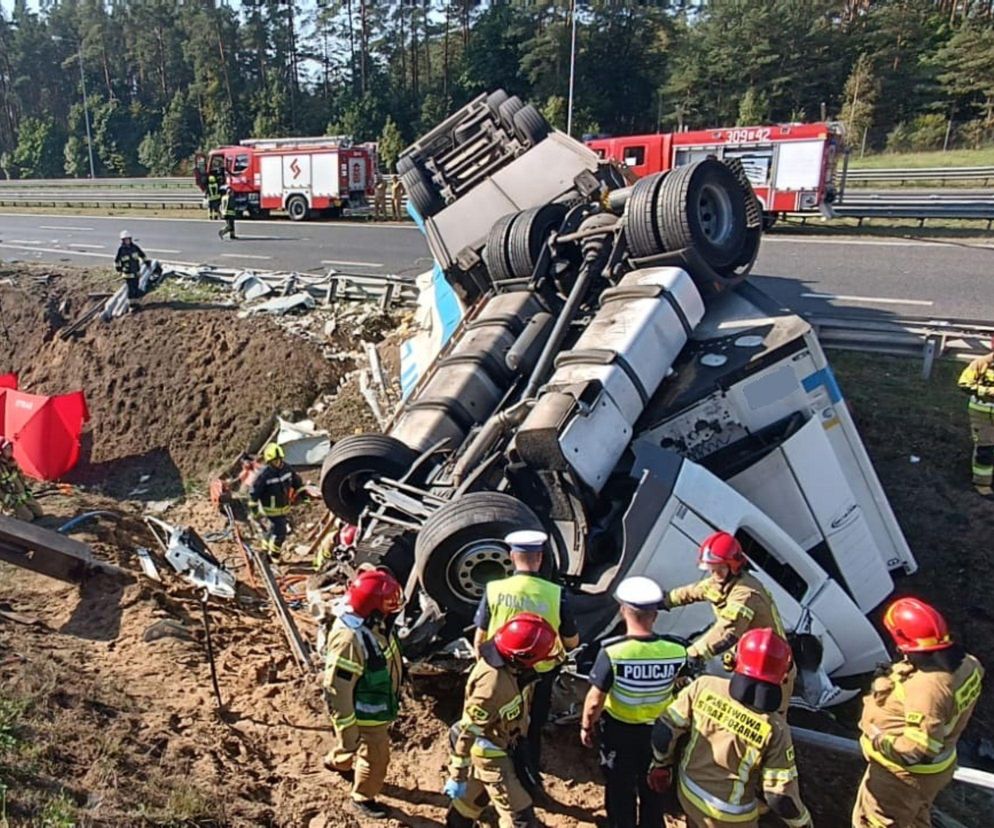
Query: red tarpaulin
point(45, 430)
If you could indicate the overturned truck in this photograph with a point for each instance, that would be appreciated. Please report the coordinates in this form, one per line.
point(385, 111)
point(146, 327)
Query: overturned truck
point(615, 383)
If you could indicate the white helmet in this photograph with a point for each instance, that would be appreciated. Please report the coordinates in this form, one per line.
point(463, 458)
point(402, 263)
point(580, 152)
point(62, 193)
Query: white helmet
point(125, 234)
point(639, 592)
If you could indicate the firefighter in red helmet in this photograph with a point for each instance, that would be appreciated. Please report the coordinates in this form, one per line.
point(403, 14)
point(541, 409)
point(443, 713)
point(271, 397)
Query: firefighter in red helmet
point(739, 600)
point(363, 673)
point(494, 721)
point(913, 717)
point(739, 747)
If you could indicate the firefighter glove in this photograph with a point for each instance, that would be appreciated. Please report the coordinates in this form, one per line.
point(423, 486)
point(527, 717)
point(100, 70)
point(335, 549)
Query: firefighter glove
point(453, 789)
point(659, 779)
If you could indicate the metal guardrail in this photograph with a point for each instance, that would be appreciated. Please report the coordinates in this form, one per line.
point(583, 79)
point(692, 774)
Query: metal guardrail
point(89, 183)
point(920, 210)
point(902, 174)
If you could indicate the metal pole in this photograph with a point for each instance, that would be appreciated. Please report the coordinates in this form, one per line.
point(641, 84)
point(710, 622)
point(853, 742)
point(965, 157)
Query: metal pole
point(572, 67)
point(86, 108)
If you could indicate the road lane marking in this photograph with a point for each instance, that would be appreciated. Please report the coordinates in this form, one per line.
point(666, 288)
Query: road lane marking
point(877, 300)
point(13, 245)
point(243, 256)
point(351, 264)
point(159, 250)
point(25, 241)
point(64, 227)
point(81, 244)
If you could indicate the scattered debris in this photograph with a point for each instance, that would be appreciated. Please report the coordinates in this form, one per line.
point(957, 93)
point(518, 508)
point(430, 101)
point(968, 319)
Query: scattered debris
point(147, 564)
point(189, 556)
point(304, 444)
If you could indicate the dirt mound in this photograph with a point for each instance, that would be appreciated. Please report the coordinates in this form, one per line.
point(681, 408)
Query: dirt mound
point(175, 388)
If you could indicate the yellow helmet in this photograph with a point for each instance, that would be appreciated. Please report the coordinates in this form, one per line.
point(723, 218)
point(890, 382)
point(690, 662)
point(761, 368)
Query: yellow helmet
point(272, 452)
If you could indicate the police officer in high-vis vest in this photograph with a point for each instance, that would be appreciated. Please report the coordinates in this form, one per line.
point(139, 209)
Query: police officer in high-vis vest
point(631, 683)
point(363, 674)
point(912, 719)
point(527, 591)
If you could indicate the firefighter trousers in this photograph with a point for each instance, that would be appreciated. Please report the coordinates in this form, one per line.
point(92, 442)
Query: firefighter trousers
point(276, 534)
point(538, 714)
point(228, 229)
point(369, 761)
point(982, 429)
point(493, 780)
point(625, 753)
point(886, 800)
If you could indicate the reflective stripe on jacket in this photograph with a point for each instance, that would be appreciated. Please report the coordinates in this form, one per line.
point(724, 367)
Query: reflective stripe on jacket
point(643, 673)
point(271, 489)
point(977, 379)
point(508, 597)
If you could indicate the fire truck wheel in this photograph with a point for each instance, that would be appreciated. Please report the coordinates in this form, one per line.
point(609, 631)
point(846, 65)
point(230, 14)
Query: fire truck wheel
point(507, 110)
point(703, 206)
point(530, 125)
point(461, 547)
point(529, 232)
point(296, 208)
point(355, 460)
point(641, 229)
point(422, 192)
point(496, 255)
point(495, 99)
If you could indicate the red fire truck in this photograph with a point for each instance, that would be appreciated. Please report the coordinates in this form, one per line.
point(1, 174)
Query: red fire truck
point(791, 166)
point(304, 176)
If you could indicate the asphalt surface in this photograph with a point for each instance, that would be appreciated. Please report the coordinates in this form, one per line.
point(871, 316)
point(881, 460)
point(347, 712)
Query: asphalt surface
point(871, 277)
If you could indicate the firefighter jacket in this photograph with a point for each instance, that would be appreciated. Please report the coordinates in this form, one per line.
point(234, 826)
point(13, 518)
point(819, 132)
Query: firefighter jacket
point(272, 490)
point(977, 380)
point(128, 260)
point(912, 718)
point(363, 674)
point(637, 676)
point(732, 754)
point(13, 490)
point(495, 714)
point(740, 603)
point(227, 205)
point(213, 188)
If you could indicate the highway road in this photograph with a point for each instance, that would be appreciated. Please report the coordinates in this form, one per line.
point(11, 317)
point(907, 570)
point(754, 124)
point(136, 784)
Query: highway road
point(812, 274)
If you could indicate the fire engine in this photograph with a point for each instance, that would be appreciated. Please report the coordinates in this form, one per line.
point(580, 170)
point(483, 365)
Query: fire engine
point(304, 176)
point(791, 166)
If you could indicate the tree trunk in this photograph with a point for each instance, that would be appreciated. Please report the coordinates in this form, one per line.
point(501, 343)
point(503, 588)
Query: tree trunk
point(363, 44)
point(224, 65)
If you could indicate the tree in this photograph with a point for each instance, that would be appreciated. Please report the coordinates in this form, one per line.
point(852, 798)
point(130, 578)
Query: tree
point(754, 108)
point(555, 111)
point(391, 143)
point(967, 71)
point(38, 151)
point(154, 154)
point(859, 95)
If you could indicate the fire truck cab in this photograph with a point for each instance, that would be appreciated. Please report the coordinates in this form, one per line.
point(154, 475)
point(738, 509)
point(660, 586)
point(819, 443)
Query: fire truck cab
point(303, 176)
point(790, 166)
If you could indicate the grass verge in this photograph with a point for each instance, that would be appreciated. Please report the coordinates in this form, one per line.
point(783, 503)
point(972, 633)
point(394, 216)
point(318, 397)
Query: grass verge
point(951, 158)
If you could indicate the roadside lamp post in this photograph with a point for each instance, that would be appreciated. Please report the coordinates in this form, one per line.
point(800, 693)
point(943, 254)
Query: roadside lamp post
point(86, 108)
point(572, 66)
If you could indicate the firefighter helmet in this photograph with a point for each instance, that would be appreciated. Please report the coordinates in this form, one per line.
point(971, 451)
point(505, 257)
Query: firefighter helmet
point(525, 640)
point(721, 548)
point(273, 451)
point(125, 234)
point(374, 590)
point(916, 627)
point(763, 655)
point(348, 534)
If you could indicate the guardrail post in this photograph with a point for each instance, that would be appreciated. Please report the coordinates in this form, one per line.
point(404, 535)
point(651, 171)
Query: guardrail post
point(928, 358)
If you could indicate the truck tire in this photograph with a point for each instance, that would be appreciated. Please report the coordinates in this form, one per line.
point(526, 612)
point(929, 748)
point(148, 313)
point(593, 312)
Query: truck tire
point(461, 547)
point(496, 254)
point(405, 163)
point(391, 547)
point(507, 110)
point(494, 100)
point(352, 462)
point(296, 208)
point(703, 206)
point(530, 125)
point(529, 232)
point(422, 193)
point(642, 228)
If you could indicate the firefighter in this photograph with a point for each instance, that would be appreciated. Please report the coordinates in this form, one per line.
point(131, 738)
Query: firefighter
point(363, 674)
point(494, 719)
point(740, 603)
point(128, 263)
point(739, 747)
point(632, 683)
point(213, 198)
point(912, 719)
point(16, 498)
point(977, 380)
point(228, 212)
point(397, 197)
point(380, 198)
point(527, 591)
point(273, 492)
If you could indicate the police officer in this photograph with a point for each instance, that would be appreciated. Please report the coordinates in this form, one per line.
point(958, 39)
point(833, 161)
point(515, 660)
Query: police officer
point(213, 197)
point(739, 745)
point(912, 719)
point(273, 491)
point(128, 262)
point(740, 602)
point(527, 591)
point(229, 213)
point(363, 674)
point(632, 682)
point(16, 497)
point(977, 380)
point(494, 718)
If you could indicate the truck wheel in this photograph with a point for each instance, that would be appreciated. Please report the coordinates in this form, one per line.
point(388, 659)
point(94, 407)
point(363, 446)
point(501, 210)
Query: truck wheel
point(422, 192)
point(495, 99)
point(496, 254)
point(642, 229)
point(507, 110)
point(530, 231)
point(702, 205)
point(530, 125)
point(405, 163)
point(355, 460)
point(461, 547)
point(390, 547)
point(296, 208)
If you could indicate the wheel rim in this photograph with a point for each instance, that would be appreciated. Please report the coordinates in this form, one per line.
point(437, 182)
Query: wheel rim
point(295, 207)
point(475, 565)
point(715, 214)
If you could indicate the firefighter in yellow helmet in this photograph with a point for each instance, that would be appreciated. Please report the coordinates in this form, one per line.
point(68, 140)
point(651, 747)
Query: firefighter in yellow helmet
point(912, 719)
point(739, 745)
point(273, 493)
point(977, 380)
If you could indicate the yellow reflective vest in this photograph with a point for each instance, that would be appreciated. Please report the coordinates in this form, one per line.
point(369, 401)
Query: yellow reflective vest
point(508, 597)
point(643, 672)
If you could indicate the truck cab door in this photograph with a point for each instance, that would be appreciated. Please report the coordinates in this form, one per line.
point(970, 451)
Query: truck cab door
point(200, 170)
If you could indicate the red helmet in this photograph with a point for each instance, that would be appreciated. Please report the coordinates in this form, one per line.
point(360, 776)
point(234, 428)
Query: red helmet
point(763, 655)
point(526, 639)
point(916, 627)
point(347, 536)
point(721, 548)
point(374, 590)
